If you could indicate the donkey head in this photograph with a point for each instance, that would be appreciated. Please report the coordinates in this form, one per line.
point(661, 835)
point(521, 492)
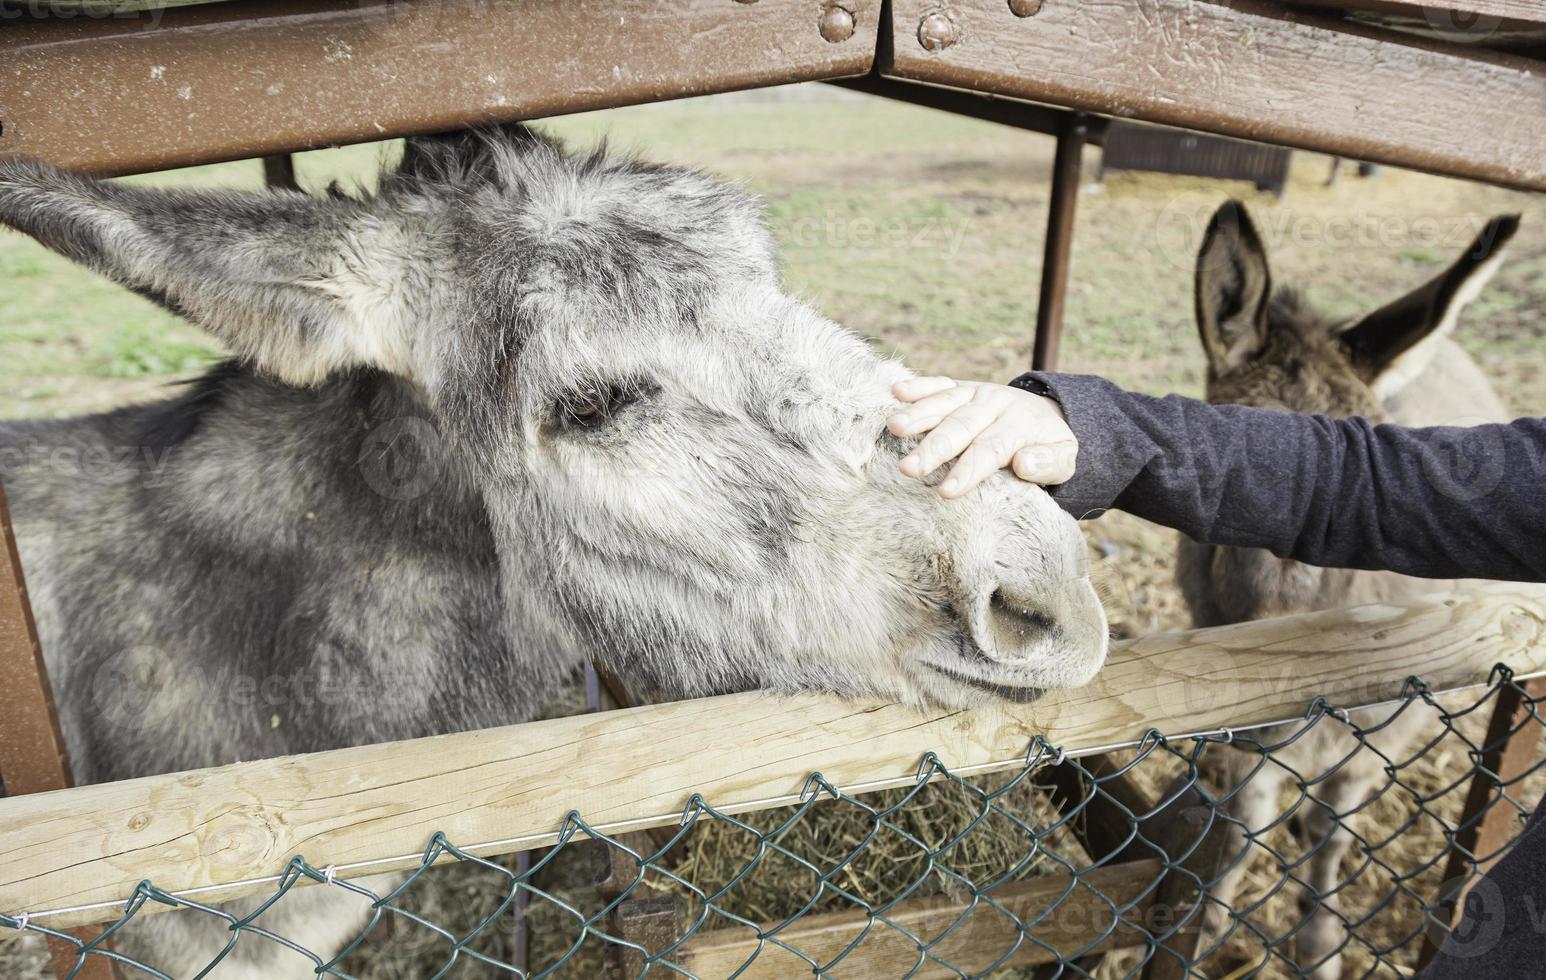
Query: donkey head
point(1268, 349)
point(686, 470)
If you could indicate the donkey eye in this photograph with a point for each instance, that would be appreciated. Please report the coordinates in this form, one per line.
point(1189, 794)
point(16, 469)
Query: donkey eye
point(587, 411)
point(591, 408)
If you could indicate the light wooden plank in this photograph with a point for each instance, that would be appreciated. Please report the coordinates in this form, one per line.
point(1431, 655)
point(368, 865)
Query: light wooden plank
point(637, 768)
point(1248, 69)
point(977, 939)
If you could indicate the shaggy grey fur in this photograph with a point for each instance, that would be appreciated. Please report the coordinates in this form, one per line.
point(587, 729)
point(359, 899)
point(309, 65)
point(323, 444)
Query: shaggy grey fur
point(516, 409)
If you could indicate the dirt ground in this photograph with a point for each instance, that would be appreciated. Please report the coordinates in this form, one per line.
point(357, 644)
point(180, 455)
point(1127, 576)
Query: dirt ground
point(922, 232)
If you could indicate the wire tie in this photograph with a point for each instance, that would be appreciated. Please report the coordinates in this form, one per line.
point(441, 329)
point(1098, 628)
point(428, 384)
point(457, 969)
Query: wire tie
point(22, 918)
point(330, 873)
point(1062, 754)
point(1229, 735)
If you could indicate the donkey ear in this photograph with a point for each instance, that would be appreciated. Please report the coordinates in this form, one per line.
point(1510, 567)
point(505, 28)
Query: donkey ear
point(464, 157)
point(1234, 286)
point(1393, 345)
point(300, 286)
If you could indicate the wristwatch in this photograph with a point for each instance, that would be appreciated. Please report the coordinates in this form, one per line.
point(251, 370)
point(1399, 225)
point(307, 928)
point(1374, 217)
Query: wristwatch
point(1034, 385)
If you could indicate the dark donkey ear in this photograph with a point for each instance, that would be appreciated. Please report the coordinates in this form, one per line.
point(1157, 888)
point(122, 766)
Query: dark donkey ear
point(300, 286)
point(1393, 345)
point(463, 157)
point(1234, 287)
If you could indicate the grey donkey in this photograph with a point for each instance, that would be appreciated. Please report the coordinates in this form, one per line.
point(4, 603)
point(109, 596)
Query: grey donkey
point(1267, 348)
point(517, 408)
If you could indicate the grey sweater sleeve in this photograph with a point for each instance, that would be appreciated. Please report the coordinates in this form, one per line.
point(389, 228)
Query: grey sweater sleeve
point(1438, 502)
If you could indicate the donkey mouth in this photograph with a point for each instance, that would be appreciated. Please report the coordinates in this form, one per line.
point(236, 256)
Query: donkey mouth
point(1009, 692)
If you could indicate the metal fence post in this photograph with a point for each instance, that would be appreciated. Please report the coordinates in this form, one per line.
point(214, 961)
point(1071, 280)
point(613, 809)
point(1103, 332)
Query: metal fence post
point(1067, 166)
point(32, 752)
point(279, 172)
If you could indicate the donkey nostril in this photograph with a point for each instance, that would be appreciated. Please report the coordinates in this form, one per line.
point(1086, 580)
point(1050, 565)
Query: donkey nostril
point(1014, 620)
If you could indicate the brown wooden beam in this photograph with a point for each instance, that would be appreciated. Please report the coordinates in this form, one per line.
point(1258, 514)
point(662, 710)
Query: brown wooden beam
point(32, 750)
point(1108, 806)
point(259, 77)
point(1103, 807)
point(1064, 913)
point(1510, 749)
point(1244, 68)
point(1195, 841)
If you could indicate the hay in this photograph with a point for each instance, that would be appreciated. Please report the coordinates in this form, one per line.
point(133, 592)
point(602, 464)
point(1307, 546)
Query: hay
point(874, 862)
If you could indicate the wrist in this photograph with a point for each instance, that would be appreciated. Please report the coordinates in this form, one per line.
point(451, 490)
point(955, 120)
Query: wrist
point(1033, 383)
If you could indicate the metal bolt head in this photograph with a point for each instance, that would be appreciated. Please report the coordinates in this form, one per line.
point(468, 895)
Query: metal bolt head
point(1025, 8)
point(937, 31)
point(837, 24)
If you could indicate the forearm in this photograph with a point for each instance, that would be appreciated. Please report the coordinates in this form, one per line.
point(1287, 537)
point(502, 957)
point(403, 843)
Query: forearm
point(1439, 503)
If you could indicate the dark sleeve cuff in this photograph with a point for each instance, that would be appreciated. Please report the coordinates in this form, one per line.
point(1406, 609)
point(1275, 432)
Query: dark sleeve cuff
point(1113, 450)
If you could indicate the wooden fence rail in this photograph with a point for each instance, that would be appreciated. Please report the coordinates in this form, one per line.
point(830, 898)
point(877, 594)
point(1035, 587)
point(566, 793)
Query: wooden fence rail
point(1245, 68)
point(224, 832)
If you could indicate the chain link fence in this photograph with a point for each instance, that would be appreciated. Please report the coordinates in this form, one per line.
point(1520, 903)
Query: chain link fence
point(1336, 845)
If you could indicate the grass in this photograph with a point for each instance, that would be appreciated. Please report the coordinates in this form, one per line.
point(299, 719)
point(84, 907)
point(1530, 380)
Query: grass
point(917, 229)
point(923, 232)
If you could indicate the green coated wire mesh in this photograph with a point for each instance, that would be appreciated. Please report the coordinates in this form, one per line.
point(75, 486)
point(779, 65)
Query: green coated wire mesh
point(1314, 848)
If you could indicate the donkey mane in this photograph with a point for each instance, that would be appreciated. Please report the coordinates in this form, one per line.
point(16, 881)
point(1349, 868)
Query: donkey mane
point(165, 426)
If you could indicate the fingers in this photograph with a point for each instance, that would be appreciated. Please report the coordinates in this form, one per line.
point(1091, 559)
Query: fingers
point(948, 439)
point(929, 411)
point(988, 453)
point(1047, 465)
point(984, 428)
point(913, 389)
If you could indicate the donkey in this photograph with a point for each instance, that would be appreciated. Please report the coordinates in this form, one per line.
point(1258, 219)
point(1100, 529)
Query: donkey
point(515, 409)
point(1267, 348)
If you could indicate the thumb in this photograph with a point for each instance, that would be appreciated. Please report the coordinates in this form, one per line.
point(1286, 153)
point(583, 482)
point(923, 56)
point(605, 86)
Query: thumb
point(1045, 465)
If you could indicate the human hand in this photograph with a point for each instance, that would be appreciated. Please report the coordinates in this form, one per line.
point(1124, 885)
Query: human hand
point(988, 426)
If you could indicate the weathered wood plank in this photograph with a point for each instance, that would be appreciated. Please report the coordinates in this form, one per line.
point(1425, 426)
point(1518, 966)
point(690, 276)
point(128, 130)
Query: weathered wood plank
point(32, 753)
point(243, 79)
point(1480, 16)
point(637, 768)
point(977, 939)
point(1244, 68)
